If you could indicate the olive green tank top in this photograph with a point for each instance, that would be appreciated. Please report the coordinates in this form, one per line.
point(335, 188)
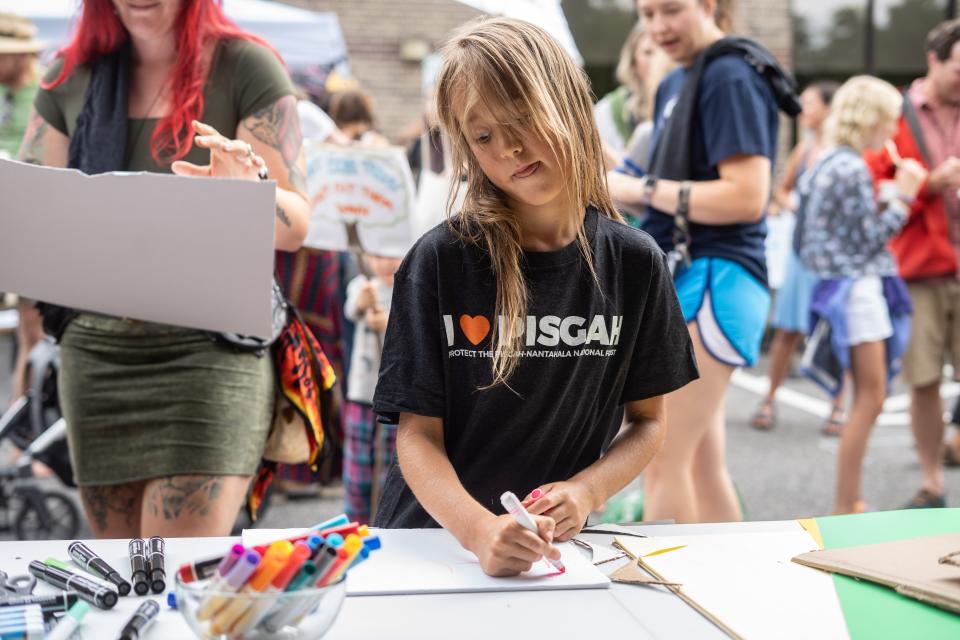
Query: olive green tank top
point(244, 78)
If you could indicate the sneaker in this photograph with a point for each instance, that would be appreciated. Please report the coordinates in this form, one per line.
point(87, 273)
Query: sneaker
point(926, 500)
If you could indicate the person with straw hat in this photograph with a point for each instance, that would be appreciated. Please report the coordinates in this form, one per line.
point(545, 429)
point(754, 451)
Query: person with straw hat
point(18, 78)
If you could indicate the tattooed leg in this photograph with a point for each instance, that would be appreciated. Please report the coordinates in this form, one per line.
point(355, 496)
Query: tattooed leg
point(195, 505)
point(113, 509)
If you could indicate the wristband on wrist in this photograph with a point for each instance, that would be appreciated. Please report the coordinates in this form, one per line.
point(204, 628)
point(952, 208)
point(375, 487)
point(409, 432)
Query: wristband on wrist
point(683, 200)
point(649, 187)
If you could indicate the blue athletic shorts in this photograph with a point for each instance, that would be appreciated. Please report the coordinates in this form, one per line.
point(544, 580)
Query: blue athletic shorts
point(729, 305)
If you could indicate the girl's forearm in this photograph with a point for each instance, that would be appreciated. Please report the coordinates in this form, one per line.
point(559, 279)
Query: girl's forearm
point(433, 480)
point(629, 454)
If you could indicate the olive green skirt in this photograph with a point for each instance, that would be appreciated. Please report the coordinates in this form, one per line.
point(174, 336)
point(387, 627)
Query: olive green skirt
point(145, 400)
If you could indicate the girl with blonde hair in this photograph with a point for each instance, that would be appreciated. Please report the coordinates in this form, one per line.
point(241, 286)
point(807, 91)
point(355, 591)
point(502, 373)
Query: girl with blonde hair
point(861, 303)
point(526, 325)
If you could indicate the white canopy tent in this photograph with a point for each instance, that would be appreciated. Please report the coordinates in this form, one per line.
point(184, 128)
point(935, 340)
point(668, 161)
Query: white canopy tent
point(303, 38)
point(546, 14)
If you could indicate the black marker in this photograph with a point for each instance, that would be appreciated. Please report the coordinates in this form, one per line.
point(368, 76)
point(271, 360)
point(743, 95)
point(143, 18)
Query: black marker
point(138, 566)
point(87, 559)
point(142, 618)
point(49, 604)
point(87, 589)
point(158, 577)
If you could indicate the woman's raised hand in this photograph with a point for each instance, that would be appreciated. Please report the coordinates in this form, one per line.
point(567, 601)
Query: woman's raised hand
point(228, 158)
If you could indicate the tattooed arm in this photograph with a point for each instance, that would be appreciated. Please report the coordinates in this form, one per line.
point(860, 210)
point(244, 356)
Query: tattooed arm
point(274, 133)
point(42, 144)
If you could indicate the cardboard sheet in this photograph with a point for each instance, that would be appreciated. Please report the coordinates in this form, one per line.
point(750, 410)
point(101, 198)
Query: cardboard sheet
point(418, 561)
point(747, 582)
point(872, 610)
point(911, 567)
point(184, 251)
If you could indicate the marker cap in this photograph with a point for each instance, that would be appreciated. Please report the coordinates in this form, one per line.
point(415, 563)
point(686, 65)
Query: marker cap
point(79, 610)
point(268, 570)
point(242, 571)
point(301, 551)
point(332, 522)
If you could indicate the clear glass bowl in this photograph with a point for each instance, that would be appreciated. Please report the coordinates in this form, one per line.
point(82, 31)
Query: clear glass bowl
point(305, 614)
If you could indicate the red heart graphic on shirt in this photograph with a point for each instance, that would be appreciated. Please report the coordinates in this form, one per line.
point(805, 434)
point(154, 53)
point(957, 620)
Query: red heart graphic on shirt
point(475, 328)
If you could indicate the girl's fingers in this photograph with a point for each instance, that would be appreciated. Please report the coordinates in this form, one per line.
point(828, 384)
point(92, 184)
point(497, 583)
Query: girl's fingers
point(569, 530)
point(523, 553)
point(536, 494)
point(516, 567)
point(545, 503)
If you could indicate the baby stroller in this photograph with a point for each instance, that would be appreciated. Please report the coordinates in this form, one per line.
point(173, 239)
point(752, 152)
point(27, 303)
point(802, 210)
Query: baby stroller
point(30, 508)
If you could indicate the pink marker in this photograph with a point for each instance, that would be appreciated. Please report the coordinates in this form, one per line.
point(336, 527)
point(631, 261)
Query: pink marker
point(515, 508)
point(536, 495)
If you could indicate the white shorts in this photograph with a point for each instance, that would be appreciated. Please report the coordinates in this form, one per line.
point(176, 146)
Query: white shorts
point(868, 318)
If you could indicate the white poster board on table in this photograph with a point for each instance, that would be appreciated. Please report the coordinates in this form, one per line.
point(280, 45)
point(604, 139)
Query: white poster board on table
point(419, 561)
point(360, 195)
point(192, 252)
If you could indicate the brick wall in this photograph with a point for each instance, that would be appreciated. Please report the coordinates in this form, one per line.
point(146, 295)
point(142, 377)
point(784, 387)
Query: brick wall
point(374, 31)
point(768, 22)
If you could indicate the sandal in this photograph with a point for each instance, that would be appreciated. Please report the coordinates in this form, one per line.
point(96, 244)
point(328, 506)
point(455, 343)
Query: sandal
point(765, 417)
point(951, 456)
point(833, 426)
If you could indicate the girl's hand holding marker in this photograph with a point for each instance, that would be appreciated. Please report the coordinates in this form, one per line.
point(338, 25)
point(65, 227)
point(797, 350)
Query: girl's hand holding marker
point(509, 545)
point(512, 543)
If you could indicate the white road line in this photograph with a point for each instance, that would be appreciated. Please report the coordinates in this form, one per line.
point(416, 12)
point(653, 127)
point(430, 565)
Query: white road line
point(895, 409)
point(785, 395)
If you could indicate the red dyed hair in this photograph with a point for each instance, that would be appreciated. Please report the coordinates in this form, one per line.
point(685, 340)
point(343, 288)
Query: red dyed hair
point(99, 31)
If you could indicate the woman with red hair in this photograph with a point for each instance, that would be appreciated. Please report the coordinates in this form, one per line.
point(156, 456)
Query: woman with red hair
point(166, 425)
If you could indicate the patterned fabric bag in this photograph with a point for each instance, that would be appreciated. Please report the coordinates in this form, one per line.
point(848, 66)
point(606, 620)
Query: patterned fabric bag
point(303, 409)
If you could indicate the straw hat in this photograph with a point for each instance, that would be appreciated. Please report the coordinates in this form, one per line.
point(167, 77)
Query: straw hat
point(18, 35)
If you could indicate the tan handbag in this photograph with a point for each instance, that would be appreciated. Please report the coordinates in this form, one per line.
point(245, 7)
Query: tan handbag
point(288, 442)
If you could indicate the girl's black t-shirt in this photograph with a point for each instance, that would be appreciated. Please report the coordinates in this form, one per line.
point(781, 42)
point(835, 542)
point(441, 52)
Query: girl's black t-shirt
point(588, 349)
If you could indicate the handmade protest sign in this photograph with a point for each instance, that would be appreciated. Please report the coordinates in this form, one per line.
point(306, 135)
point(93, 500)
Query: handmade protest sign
point(361, 198)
